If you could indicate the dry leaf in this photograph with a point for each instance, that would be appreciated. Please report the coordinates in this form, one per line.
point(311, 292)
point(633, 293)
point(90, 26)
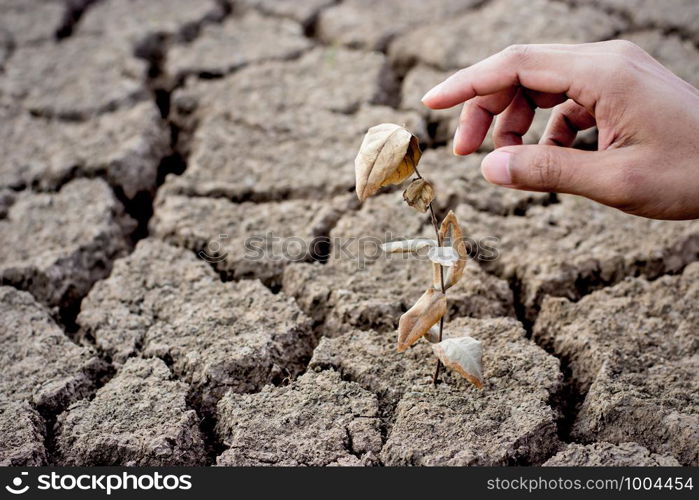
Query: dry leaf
point(432, 335)
point(445, 256)
point(388, 155)
point(408, 246)
point(457, 243)
point(419, 194)
point(417, 321)
point(464, 355)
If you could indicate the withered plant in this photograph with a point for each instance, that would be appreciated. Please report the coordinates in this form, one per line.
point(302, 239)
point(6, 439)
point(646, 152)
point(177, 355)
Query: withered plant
point(389, 154)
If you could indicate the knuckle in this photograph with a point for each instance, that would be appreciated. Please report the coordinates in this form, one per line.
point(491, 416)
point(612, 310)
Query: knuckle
point(625, 48)
point(469, 108)
point(568, 107)
point(517, 52)
point(545, 170)
point(463, 72)
point(559, 114)
point(620, 62)
point(627, 57)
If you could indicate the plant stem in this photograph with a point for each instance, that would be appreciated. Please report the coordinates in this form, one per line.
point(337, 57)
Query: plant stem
point(433, 217)
point(435, 379)
point(439, 243)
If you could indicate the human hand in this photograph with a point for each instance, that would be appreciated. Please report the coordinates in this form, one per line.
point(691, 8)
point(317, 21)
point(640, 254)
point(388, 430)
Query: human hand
point(647, 161)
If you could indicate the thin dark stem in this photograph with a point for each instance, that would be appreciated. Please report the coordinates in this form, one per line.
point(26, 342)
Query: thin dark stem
point(433, 217)
point(435, 378)
point(439, 243)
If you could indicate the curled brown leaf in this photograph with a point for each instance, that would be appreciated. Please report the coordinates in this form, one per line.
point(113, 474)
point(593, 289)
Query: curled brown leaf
point(464, 355)
point(432, 335)
point(419, 194)
point(454, 272)
point(388, 155)
point(417, 321)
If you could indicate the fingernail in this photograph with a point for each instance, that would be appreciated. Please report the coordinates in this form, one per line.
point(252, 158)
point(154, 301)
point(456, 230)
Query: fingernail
point(456, 141)
point(432, 93)
point(496, 168)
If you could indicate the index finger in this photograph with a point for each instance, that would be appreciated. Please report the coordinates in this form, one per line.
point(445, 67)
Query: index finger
point(550, 68)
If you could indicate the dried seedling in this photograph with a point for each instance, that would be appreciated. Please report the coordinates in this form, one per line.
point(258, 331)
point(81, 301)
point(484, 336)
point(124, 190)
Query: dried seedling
point(389, 154)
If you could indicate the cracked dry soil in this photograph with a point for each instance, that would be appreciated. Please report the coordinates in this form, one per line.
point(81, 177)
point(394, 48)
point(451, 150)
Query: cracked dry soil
point(129, 147)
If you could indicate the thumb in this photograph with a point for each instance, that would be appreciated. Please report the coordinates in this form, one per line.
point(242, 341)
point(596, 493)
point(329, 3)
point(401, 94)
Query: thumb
point(599, 175)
